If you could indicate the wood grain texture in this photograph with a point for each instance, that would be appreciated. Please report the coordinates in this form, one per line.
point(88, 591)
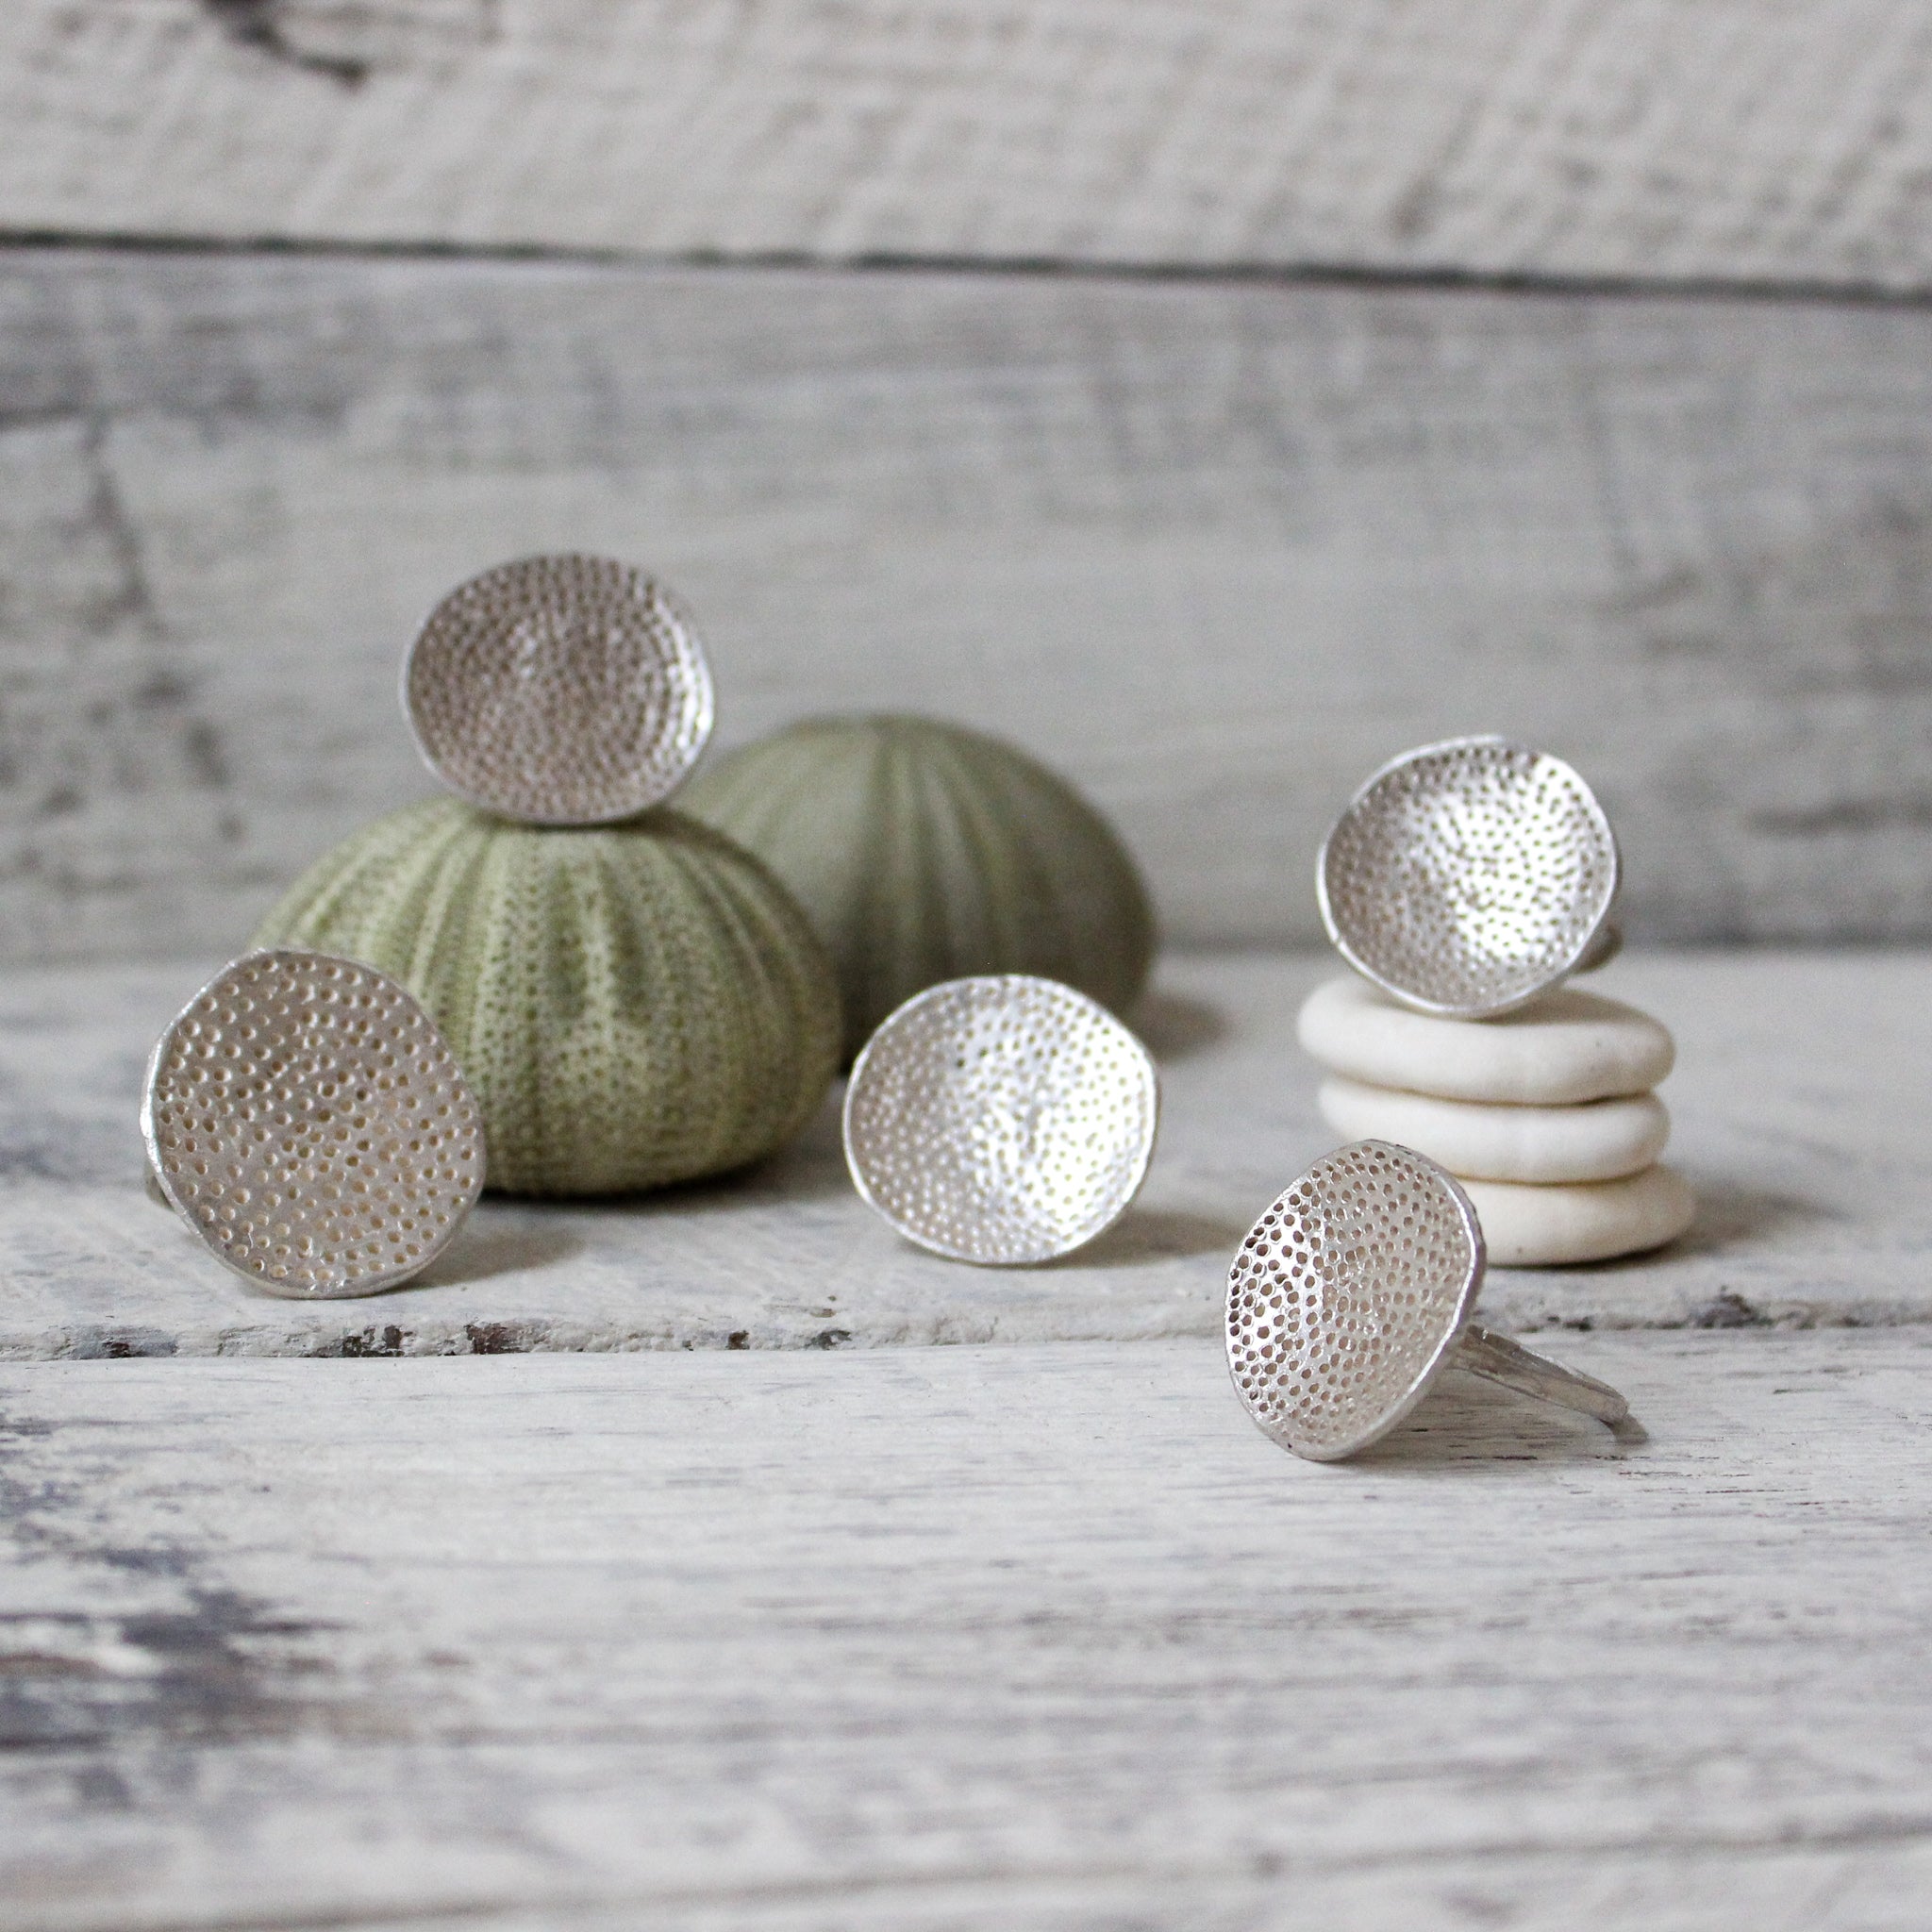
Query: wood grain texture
point(1215, 553)
point(1040, 1637)
point(1798, 1107)
point(1750, 139)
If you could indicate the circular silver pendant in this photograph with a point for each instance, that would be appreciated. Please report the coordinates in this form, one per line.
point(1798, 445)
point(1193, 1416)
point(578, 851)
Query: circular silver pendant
point(1354, 1291)
point(562, 691)
point(1002, 1119)
point(305, 1116)
point(1467, 878)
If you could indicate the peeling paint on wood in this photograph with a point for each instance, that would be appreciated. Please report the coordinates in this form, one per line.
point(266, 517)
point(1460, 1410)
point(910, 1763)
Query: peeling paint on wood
point(1731, 140)
point(1801, 1123)
point(1042, 1638)
point(1215, 552)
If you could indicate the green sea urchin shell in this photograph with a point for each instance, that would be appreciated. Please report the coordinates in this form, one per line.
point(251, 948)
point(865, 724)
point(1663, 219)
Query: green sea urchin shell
point(924, 852)
point(633, 1005)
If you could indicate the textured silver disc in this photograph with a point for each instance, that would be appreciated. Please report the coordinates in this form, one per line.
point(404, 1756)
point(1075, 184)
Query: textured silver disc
point(305, 1116)
point(1348, 1297)
point(1003, 1120)
point(1467, 878)
point(564, 691)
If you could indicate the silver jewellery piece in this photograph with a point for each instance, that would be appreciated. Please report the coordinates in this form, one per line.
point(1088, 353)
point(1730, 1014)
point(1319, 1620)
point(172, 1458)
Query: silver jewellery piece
point(1354, 1291)
point(306, 1120)
point(1467, 878)
point(562, 691)
point(1003, 1120)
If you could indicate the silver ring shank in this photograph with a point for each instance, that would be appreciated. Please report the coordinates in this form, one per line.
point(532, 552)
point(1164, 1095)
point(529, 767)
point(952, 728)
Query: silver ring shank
point(1495, 1357)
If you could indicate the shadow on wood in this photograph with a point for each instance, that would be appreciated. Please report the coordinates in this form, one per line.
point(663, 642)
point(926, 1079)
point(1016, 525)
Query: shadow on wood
point(483, 1249)
point(1172, 1026)
point(1729, 1213)
point(1155, 1234)
point(1468, 1419)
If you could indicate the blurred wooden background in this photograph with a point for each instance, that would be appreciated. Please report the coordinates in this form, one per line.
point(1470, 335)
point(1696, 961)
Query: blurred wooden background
point(1215, 398)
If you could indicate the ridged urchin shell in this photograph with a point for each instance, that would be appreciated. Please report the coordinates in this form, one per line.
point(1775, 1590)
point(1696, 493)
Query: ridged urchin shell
point(924, 852)
point(633, 1005)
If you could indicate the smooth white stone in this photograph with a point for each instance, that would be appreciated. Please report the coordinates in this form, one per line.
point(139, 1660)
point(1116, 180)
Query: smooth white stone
point(1485, 1140)
point(1570, 1046)
point(1543, 1227)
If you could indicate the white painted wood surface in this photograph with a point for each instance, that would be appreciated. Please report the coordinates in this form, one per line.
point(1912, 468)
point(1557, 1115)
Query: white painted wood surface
point(1014, 1639)
point(1741, 139)
point(1799, 1104)
point(1216, 552)
point(636, 1630)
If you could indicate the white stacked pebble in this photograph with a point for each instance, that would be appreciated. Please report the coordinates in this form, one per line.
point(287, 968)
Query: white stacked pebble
point(1546, 1115)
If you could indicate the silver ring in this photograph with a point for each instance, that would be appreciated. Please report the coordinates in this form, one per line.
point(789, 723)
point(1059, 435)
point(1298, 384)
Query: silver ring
point(1004, 1120)
point(1468, 876)
point(303, 1115)
point(561, 690)
point(1354, 1291)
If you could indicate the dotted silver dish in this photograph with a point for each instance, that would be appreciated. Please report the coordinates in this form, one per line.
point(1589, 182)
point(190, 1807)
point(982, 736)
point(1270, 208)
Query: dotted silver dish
point(1467, 878)
point(561, 691)
point(1004, 1120)
point(1354, 1291)
point(306, 1120)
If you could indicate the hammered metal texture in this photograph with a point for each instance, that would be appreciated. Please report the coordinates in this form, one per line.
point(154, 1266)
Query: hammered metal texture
point(306, 1120)
point(1003, 1119)
point(563, 690)
point(1470, 877)
point(1348, 1296)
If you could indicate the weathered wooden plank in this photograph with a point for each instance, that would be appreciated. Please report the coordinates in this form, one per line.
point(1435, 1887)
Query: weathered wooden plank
point(1801, 1119)
point(1740, 138)
point(1029, 1637)
point(1215, 551)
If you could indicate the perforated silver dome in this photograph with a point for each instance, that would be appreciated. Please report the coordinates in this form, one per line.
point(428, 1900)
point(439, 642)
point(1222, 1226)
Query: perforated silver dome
point(1468, 877)
point(306, 1120)
point(561, 691)
point(1348, 1297)
point(1002, 1119)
